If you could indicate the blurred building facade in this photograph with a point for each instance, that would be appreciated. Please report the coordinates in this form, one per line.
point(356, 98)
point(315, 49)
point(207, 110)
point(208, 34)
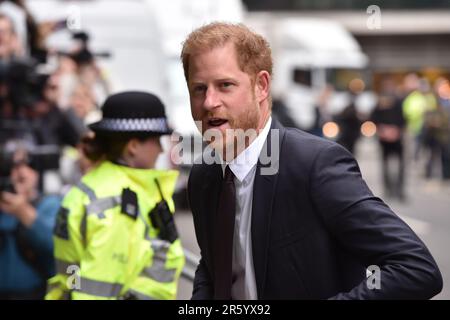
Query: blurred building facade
point(410, 35)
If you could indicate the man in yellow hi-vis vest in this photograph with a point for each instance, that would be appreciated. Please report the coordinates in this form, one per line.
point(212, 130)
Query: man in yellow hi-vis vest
point(115, 236)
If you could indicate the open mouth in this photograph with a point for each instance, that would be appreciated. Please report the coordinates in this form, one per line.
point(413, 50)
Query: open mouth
point(216, 122)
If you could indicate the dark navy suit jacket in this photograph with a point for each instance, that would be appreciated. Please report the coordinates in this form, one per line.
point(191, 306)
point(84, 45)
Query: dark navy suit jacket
point(315, 229)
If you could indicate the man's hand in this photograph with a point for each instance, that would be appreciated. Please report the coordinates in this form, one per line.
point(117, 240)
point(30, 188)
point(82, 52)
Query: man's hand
point(17, 205)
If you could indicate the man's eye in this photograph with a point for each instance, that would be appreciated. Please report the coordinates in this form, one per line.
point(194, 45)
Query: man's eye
point(199, 89)
point(226, 84)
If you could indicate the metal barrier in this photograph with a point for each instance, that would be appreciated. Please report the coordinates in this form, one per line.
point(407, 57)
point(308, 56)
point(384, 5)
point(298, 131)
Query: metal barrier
point(192, 261)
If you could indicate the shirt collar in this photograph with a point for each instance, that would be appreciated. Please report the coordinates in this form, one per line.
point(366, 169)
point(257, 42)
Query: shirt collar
point(247, 159)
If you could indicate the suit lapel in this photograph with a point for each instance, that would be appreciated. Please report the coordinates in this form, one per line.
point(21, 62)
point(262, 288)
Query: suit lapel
point(264, 188)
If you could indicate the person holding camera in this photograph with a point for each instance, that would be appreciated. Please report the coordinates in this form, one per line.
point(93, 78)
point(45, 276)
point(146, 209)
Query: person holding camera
point(26, 223)
point(115, 236)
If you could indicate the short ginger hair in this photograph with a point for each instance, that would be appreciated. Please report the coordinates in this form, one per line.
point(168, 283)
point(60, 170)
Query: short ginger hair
point(253, 50)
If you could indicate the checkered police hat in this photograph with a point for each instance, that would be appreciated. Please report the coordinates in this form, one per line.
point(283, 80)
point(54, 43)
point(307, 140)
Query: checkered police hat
point(133, 112)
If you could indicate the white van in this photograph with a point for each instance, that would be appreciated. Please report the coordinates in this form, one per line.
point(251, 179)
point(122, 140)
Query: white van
point(144, 38)
point(308, 54)
point(176, 19)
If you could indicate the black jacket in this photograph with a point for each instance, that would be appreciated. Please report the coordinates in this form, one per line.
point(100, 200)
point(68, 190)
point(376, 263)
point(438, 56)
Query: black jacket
point(316, 227)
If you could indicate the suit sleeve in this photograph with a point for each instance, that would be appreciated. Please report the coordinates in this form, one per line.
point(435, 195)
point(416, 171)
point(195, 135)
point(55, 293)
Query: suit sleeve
point(202, 282)
point(366, 226)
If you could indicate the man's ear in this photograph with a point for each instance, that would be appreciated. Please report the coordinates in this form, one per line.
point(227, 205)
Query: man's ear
point(262, 85)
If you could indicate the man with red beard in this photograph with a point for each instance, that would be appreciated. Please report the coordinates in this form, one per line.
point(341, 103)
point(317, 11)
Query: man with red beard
point(311, 228)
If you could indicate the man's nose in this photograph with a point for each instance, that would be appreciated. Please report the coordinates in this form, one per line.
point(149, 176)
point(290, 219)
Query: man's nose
point(211, 99)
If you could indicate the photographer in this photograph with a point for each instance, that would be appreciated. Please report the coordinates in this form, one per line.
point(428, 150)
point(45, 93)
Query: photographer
point(26, 223)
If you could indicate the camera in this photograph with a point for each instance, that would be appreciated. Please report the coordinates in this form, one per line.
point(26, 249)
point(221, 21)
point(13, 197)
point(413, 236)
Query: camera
point(38, 157)
point(24, 84)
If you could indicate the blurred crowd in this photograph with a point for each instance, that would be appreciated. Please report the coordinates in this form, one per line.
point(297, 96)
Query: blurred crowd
point(47, 98)
point(416, 113)
point(411, 119)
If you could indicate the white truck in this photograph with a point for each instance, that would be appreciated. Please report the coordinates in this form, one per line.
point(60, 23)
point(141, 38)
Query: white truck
point(144, 38)
point(176, 19)
point(308, 55)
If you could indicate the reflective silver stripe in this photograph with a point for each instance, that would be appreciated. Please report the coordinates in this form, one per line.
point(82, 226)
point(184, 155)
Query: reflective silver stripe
point(83, 225)
point(157, 271)
point(160, 246)
point(62, 266)
point(190, 267)
point(99, 288)
point(90, 193)
point(137, 295)
point(188, 273)
point(103, 204)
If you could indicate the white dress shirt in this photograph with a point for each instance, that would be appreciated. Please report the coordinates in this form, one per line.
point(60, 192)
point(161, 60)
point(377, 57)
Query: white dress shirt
point(244, 169)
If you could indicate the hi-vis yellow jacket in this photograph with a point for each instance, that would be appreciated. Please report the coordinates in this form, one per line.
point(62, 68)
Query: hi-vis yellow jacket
point(103, 253)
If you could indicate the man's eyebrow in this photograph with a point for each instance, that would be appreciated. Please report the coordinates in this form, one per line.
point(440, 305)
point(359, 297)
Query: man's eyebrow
point(228, 79)
point(195, 83)
point(225, 79)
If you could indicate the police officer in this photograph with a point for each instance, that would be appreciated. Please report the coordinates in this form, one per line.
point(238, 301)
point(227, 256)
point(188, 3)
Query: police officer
point(115, 237)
